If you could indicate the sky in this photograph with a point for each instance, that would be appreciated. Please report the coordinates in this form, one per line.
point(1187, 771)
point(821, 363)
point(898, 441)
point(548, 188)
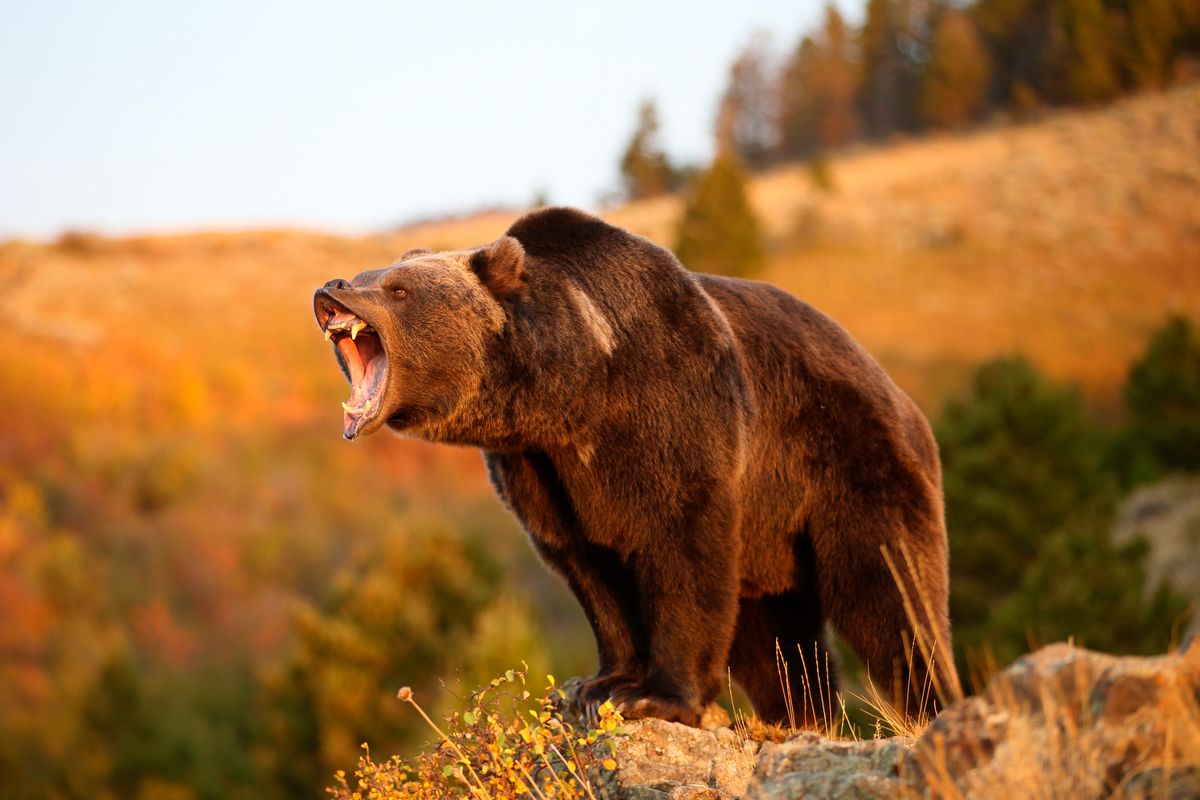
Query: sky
point(127, 117)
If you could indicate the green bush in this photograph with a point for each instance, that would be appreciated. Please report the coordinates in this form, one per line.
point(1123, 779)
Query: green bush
point(719, 231)
point(1162, 396)
point(1030, 496)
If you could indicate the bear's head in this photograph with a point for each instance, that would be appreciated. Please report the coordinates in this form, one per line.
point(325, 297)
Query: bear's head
point(412, 338)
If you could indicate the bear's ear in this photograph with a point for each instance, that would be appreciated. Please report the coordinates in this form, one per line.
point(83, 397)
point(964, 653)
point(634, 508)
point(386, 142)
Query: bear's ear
point(501, 268)
point(416, 251)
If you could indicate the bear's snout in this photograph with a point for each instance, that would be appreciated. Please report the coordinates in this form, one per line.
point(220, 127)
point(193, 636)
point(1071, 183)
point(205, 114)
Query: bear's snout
point(337, 283)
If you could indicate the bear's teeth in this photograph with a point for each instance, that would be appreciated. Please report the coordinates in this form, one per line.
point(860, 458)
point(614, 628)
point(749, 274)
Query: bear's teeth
point(328, 334)
point(357, 410)
point(356, 327)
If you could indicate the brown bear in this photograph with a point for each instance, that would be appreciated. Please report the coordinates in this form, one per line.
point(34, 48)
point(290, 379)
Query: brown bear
point(714, 467)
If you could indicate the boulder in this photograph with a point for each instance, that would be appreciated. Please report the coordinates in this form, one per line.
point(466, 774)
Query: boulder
point(809, 765)
point(1167, 514)
point(1084, 723)
point(1060, 722)
point(657, 760)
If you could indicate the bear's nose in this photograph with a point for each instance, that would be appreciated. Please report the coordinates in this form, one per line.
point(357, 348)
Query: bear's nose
point(338, 283)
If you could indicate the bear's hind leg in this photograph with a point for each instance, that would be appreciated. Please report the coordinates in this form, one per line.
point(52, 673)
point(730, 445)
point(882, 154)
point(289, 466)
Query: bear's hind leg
point(868, 608)
point(802, 662)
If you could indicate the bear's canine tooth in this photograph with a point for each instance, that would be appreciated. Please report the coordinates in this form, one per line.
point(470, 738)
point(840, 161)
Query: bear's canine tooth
point(328, 334)
point(356, 327)
point(346, 408)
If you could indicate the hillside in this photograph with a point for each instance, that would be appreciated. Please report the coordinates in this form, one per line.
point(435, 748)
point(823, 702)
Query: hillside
point(1067, 239)
point(193, 562)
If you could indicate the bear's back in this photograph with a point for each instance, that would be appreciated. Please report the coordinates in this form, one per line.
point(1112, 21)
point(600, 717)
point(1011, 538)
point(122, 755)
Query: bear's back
point(827, 419)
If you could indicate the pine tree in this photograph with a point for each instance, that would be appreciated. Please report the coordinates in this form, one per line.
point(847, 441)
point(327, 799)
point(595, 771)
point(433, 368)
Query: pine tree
point(1163, 398)
point(890, 48)
point(746, 117)
point(878, 56)
point(1083, 55)
point(1020, 456)
point(645, 170)
point(798, 136)
point(1018, 34)
point(1085, 587)
point(817, 92)
point(956, 76)
point(719, 231)
point(1150, 30)
point(835, 82)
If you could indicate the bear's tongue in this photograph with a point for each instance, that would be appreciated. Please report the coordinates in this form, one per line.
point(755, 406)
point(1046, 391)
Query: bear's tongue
point(364, 357)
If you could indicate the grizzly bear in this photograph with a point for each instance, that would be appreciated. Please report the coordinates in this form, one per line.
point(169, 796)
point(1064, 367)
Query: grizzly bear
point(714, 467)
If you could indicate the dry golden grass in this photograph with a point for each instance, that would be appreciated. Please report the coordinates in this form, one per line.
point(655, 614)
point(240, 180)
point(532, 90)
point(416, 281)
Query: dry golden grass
point(1070, 724)
point(1068, 240)
point(1060, 723)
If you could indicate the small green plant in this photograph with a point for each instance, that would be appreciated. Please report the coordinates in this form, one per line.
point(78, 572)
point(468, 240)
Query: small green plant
point(820, 173)
point(719, 230)
point(503, 745)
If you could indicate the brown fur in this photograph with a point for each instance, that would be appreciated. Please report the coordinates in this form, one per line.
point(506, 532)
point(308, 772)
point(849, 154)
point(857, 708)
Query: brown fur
point(711, 464)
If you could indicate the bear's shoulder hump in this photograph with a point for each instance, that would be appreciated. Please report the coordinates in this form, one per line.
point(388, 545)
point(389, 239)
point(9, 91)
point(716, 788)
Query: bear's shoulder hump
point(549, 231)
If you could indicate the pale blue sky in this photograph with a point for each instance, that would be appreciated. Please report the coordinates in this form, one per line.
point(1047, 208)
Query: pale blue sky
point(132, 116)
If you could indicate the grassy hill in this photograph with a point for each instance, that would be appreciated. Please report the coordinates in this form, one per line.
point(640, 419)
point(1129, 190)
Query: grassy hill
point(1067, 239)
point(175, 494)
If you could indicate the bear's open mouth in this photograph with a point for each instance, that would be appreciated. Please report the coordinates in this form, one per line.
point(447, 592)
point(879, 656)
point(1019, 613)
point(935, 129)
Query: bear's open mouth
point(361, 351)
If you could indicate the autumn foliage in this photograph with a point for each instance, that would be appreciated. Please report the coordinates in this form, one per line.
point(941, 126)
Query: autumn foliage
point(206, 593)
point(502, 745)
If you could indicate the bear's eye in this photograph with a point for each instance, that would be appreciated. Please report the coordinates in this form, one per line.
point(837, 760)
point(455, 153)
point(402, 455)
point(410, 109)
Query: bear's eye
point(400, 292)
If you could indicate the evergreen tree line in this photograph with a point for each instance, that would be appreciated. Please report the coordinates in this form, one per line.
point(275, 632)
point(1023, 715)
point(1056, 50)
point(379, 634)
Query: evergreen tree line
point(718, 230)
point(1033, 479)
point(917, 65)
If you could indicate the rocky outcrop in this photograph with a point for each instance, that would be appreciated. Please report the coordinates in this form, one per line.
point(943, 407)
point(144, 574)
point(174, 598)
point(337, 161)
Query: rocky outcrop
point(808, 765)
point(658, 760)
point(1167, 514)
point(1061, 722)
point(1084, 723)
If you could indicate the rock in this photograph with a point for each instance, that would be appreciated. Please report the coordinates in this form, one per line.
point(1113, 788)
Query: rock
point(714, 717)
point(861, 786)
point(659, 760)
point(657, 751)
point(636, 793)
point(665, 761)
point(693, 792)
point(1167, 513)
point(808, 765)
point(680, 763)
point(1159, 783)
point(1064, 720)
point(1087, 724)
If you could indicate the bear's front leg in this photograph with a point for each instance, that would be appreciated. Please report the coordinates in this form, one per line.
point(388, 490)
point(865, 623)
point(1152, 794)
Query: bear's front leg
point(531, 486)
point(687, 585)
point(595, 576)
